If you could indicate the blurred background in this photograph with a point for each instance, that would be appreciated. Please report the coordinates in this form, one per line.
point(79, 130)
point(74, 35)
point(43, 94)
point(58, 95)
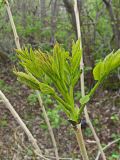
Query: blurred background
point(40, 23)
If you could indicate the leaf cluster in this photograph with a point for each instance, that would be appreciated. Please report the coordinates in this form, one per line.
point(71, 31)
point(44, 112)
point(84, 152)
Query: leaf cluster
point(57, 74)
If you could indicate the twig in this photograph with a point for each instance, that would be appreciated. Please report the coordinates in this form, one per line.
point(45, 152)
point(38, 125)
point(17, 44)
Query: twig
point(21, 123)
point(82, 81)
point(48, 124)
point(18, 47)
point(106, 147)
point(12, 24)
point(78, 132)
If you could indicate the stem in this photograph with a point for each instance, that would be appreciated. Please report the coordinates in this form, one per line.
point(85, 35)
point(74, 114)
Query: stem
point(67, 107)
point(48, 124)
point(83, 107)
point(82, 83)
point(95, 135)
point(80, 140)
point(94, 88)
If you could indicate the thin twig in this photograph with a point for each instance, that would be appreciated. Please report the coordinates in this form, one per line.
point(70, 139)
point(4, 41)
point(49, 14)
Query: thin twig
point(48, 124)
point(79, 136)
point(106, 147)
point(82, 81)
point(12, 24)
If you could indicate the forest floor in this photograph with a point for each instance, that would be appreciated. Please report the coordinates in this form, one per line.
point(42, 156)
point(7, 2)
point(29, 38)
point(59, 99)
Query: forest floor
point(104, 112)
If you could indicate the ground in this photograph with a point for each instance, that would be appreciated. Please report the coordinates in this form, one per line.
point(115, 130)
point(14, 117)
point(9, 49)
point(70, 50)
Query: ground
point(104, 112)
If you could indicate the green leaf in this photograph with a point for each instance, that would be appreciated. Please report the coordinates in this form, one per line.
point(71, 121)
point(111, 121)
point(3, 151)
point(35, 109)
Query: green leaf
point(76, 78)
point(103, 68)
point(97, 71)
point(84, 99)
point(46, 72)
point(76, 56)
point(46, 89)
point(30, 61)
point(28, 79)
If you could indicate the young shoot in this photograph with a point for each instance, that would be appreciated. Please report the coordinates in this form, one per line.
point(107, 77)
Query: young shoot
point(57, 74)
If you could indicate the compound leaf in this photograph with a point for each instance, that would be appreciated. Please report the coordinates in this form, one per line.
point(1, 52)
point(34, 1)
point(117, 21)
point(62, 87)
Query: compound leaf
point(103, 68)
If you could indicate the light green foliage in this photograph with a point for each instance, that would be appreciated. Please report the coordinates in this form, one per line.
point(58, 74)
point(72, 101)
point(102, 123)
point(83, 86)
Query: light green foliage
point(1, 3)
point(84, 99)
point(115, 117)
point(28, 79)
point(58, 73)
point(103, 68)
point(61, 67)
point(115, 156)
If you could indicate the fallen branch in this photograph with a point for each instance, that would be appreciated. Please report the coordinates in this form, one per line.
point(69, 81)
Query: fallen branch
point(21, 123)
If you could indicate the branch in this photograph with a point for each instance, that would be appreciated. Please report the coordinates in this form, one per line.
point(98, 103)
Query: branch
point(12, 24)
point(106, 147)
point(21, 123)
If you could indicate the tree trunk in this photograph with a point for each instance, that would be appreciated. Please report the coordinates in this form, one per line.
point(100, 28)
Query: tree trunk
point(43, 11)
point(70, 9)
point(115, 23)
point(54, 12)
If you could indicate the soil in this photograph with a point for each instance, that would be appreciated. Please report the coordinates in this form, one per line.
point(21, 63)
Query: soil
point(104, 111)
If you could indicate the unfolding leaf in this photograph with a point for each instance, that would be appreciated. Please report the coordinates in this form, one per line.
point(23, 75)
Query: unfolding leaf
point(84, 99)
point(30, 61)
point(76, 56)
point(103, 68)
point(75, 78)
point(98, 71)
point(46, 89)
point(28, 79)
